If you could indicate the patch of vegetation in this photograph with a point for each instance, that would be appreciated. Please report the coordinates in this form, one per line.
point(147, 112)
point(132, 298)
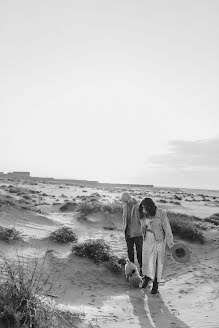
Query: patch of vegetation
point(87, 208)
point(94, 249)
point(174, 202)
point(113, 264)
point(26, 197)
point(204, 225)
point(7, 201)
point(109, 228)
point(68, 206)
point(22, 299)
point(25, 300)
point(186, 226)
point(64, 235)
point(213, 219)
point(9, 234)
point(177, 197)
point(162, 201)
point(112, 208)
point(98, 251)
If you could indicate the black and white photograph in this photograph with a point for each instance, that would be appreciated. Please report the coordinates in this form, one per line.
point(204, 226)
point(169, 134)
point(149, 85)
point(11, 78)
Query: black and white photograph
point(109, 164)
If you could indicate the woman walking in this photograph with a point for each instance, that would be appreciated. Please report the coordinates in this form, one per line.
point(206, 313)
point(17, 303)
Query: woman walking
point(157, 233)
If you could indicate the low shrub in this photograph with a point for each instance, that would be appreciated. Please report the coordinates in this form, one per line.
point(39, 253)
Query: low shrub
point(187, 227)
point(94, 249)
point(216, 215)
point(86, 208)
point(112, 208)
point(9, 234)
point(69, 206)
point(174, 202)
point(64, 235)
point(162, 201)
point(98, 251)
point(113, 264)
point(204, 225)
point(214, 219)
point(177, 197)
point(109, 228)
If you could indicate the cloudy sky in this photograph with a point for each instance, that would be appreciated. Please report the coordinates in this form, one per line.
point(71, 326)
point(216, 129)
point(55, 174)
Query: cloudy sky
point(111, 90)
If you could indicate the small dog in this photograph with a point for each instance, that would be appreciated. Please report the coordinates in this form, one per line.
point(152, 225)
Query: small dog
point(132, 274)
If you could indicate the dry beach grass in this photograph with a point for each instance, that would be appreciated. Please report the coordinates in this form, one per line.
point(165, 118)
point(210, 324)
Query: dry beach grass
point(25, 296)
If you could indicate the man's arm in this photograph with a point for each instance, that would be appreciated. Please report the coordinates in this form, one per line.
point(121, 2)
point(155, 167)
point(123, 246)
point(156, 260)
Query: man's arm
point(124, 217)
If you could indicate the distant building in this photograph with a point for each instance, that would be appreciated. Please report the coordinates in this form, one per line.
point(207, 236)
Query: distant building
point(20, 174)
point(16, 175)
point(77, 182)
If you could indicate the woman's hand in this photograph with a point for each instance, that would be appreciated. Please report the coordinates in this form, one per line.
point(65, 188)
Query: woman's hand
point(171, 244)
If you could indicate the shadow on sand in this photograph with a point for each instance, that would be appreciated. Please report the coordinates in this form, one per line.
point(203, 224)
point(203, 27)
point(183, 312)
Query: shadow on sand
point(152, 312)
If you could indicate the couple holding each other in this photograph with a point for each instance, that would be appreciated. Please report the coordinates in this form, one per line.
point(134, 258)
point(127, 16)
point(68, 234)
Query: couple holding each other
point(147, 227)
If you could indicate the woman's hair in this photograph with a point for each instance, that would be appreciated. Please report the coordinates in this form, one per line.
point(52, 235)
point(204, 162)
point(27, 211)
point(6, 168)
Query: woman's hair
point(149, 206)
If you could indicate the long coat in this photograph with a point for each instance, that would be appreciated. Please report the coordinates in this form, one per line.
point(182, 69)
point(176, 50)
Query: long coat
point(157, 233)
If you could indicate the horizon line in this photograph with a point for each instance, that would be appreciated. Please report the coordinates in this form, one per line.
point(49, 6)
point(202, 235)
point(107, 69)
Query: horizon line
point(27, 175)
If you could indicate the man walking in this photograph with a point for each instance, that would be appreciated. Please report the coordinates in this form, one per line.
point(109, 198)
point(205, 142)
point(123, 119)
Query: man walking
point(132, 228)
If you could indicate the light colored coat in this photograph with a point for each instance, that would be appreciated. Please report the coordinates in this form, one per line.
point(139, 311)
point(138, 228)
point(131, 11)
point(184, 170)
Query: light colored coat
point(158, 234)
point(161, 228)
point(135, 227)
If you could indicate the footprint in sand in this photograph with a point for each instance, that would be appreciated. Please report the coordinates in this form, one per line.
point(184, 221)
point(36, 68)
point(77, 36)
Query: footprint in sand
point(186, 291)
point(174, 311)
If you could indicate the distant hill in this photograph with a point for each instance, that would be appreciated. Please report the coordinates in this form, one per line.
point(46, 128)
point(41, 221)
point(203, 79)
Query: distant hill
point(26, 176)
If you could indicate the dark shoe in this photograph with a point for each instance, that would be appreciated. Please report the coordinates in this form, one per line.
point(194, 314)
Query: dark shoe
point(145, 281)
point(154, 289)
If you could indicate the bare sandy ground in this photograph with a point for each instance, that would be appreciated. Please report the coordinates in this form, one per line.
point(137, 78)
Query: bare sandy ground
point(189, 293)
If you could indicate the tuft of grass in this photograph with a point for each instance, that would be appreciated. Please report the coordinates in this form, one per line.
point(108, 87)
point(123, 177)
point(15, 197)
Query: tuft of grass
point(186, 226)
point(94, 249)
point(109, 228)
point(213, 219)
point(87, 208)
point(64, 235)
point(9, 234)
point(204, 225)
point(23, 300)
point(69, 206)
point(162, 201)
point(113, 264)
point(112, 208)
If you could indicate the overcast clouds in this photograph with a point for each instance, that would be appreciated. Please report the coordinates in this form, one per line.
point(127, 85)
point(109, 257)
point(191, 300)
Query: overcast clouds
point(190, 154)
